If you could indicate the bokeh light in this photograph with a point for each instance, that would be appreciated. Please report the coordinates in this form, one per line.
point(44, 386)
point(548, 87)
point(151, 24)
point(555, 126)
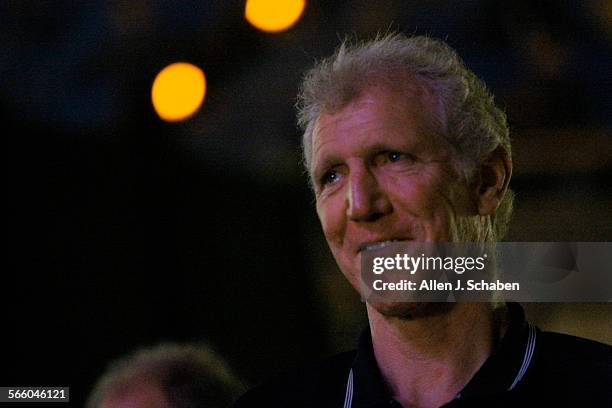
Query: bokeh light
point(273, 15)
point(178, 91)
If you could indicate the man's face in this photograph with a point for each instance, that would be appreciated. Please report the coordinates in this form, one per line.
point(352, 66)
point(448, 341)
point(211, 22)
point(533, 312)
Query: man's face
point(137, 396)
point(380, 176)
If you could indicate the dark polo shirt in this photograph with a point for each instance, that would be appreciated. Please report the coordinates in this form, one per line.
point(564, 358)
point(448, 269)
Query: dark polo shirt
point(528, 368)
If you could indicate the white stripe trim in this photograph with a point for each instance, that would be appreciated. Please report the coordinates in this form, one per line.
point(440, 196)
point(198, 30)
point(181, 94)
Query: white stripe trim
point(529, 349)
point(348, 398)
point(526, 358)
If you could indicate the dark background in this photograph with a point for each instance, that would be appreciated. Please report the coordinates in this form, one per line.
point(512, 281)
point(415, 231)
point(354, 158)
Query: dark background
point(123, 230)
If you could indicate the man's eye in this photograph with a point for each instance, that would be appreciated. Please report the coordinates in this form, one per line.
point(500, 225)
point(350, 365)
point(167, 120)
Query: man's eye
point(390, 156)
point(394, 156)
point(329, 177)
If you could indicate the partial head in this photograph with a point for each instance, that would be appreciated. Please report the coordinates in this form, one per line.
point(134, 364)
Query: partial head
point(403, 142)
point(167, 376)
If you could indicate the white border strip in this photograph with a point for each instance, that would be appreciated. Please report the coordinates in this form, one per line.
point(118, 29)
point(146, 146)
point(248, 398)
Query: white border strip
point(348, 398)
point(529, 349)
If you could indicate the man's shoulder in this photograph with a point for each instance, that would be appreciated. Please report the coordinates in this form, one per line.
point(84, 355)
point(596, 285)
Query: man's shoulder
point(572, 368)
point(318, 384)
point(564, 350)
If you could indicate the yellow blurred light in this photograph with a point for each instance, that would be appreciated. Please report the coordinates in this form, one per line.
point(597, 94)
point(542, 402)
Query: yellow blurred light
point(273, 15)
point(178, 91)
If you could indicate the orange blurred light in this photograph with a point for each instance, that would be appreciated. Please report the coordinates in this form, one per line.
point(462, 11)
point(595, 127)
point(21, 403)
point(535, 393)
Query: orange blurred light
point(273, 15)
point(178, 91)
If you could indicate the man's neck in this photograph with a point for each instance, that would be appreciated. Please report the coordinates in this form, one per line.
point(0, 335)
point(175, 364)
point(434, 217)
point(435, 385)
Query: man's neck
point(425, 361)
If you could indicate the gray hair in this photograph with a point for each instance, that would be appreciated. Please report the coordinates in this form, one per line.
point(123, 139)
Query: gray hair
point(463, 112)
point(188, 376)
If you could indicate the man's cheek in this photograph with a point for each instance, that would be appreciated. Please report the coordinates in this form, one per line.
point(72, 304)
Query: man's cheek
point(332, 224)
point(332, 234)
point(325, 222)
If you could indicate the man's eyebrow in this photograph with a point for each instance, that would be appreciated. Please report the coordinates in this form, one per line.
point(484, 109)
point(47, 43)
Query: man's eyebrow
point(332, 159)
point(325, 162)
point(403, 145)
point(379, 146)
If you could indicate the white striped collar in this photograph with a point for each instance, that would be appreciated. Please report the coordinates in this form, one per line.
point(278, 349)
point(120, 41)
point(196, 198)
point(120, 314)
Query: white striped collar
point(514, 335)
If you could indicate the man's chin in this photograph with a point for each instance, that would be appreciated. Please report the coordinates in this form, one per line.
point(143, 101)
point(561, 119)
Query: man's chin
point(411, 310)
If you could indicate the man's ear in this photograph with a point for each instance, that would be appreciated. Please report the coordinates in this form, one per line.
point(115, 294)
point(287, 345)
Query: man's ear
point(492, 181)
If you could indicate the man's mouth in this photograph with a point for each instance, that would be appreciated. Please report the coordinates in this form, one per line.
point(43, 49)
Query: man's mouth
point(369, 246)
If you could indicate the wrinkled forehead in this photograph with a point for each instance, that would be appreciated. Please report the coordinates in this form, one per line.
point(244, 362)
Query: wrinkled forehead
point(377, 110)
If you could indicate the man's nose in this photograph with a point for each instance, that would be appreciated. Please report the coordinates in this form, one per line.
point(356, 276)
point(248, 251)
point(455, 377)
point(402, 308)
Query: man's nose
point(366, 199)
